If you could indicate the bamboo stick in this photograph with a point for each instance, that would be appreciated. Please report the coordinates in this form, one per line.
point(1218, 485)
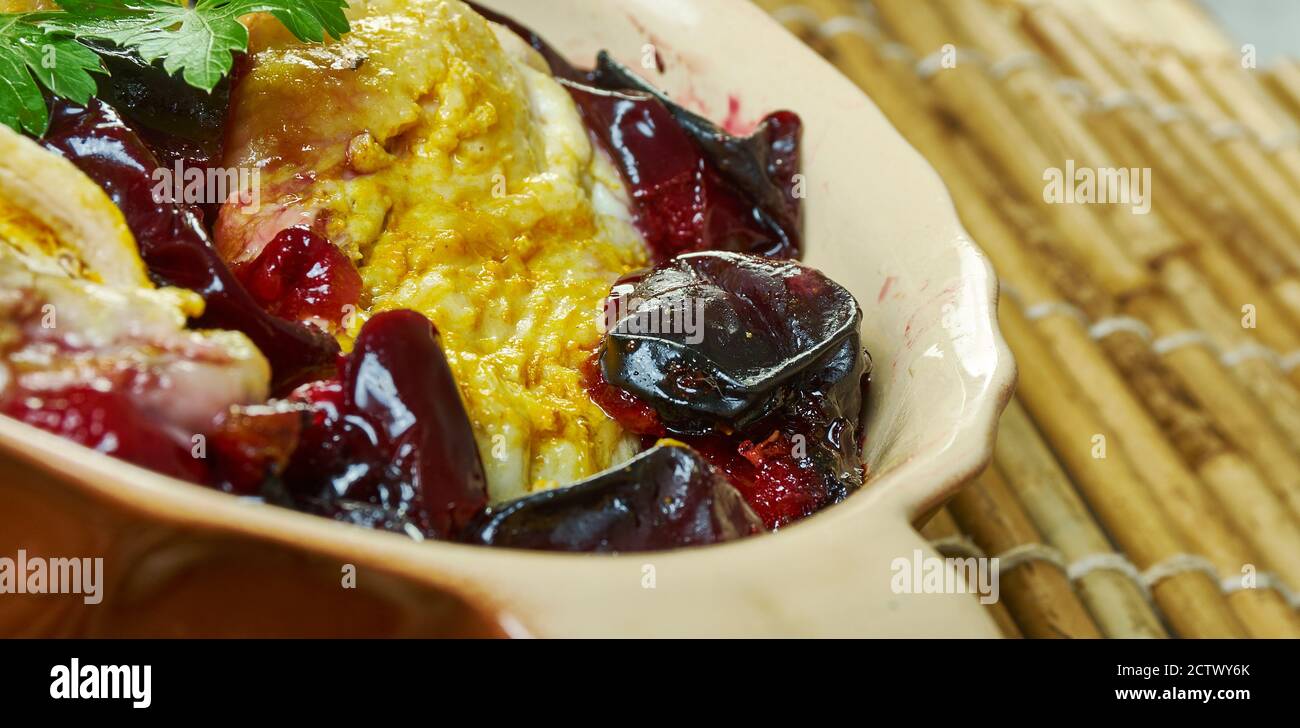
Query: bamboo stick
point(1114, 600)
point(1217, 63)
point(942, 532)
point(1283, 80)
point(1190, 430)
point(1238, 416)
point(1258, 170)
point(972, 98)
point(1260, 374)
point(1191, 139)
point(1230, 404)
point(1049, 498)
point(1036, 592)
point(921, 28)
point(1262, 603)
point(1232, 246)
point(1146, 237)
point(1251, 503)
point(1018, 273)
point(1191, 600)
point(1251, 506)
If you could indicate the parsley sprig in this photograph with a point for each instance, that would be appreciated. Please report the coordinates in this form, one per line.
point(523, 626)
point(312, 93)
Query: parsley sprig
point(195, 41)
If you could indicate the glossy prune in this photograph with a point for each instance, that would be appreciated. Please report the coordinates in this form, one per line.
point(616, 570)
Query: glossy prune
point(759, 169)
point(388, 441)
point(176, 120)
point(723, 339)
point(666, 497)
point(765, 376)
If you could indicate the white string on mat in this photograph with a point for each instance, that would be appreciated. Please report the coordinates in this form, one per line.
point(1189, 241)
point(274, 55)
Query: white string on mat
point(1026, 552)
point(895, 51)
point(958, 545)
point(1169, 113)
point(1118, 99)
point(1107, 561)
point(1263, 580)
point(1009, 64)
point(1074, 88)
point(1180, 339)
point(1114, 324)
point(1226, 130)
point(1163, 345)
point(1176, 565)
point(1233, 357)
point(1288, 138)
point(930, 65)
point(1044, 309)
point(848, 24)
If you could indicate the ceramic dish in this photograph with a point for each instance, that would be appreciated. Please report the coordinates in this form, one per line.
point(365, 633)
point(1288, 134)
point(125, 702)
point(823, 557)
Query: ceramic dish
point(183, 560)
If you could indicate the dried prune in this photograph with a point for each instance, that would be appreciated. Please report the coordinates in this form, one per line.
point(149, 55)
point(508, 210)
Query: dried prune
point(388, 441)
point(758, 364)
point(177, 120)
point(666, 497)
point(759, 169)
point(252, 445)
point(723, 339)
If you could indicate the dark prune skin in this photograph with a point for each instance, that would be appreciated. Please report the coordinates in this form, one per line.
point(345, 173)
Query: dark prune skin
point(759, 170)
point(771, 391)
point(667, 497)
point(179, 123)
point(693, 186)
point(174, 244)
point(764, 328)
point(682, 201)
point(388, 441)
point(176, 120)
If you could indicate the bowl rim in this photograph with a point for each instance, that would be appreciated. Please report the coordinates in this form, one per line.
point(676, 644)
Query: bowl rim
point(906, 491)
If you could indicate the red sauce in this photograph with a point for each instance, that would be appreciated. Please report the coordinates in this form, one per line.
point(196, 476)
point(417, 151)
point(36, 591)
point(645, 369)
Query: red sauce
point(109, 422)
point(300, 275)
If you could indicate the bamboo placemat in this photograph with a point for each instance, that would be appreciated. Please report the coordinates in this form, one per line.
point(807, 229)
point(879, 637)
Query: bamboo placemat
point(1146, 481)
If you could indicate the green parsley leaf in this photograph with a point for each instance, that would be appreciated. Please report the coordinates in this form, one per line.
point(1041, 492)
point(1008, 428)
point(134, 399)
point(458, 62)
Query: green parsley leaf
point(30, 58)
point(196, 41)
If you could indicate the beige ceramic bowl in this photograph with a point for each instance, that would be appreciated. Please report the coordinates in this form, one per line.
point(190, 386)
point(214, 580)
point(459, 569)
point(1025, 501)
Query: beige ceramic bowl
point(182, 560)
